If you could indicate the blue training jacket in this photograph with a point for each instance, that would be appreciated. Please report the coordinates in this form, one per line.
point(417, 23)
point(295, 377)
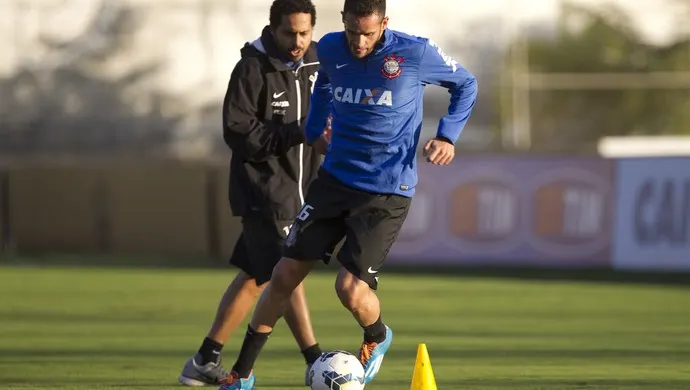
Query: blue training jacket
point(377, 108)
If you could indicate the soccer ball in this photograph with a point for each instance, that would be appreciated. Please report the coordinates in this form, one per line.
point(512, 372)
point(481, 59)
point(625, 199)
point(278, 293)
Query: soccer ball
point(337, 370)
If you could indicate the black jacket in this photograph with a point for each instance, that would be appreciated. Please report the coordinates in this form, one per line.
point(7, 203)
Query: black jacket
point(264, 114)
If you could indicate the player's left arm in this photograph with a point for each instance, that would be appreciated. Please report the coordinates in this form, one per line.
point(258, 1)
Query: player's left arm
point(438, 68)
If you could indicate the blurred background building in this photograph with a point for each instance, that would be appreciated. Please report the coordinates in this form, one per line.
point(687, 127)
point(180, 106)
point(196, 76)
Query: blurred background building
point(147, 77)
point(135, 84)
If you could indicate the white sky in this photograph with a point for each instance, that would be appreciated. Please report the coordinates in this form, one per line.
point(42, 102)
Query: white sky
point(657, 20)
point(173, 27)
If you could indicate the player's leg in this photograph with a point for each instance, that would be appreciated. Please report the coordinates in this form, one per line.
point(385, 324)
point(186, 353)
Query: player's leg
point(298, 319)
point(205, 367)
point(255, 254)
point(287, 275)
point(297, 311)
point(316, 231)
point(233, 308)
point(371, 232)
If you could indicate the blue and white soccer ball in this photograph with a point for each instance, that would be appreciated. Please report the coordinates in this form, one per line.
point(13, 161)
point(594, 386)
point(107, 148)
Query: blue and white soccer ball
point(337, 370)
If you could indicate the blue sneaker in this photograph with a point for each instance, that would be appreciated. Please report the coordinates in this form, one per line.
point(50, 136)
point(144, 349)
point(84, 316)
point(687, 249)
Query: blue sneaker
point(371, 355)
point(234, 382)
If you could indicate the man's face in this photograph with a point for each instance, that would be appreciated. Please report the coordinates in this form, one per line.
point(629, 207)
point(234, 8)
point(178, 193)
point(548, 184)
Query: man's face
point(363, 32)
point(293, 35)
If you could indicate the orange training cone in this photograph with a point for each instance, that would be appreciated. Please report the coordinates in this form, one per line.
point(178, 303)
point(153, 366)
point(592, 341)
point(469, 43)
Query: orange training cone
point(423, 376)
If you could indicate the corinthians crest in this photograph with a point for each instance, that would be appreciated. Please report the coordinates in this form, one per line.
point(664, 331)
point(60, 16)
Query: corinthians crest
point(391, 66)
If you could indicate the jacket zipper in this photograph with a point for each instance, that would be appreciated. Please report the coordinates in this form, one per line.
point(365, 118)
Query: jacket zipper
point(300, 183)
point(301, 146)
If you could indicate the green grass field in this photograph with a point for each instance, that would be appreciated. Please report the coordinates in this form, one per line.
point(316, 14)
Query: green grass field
point(88, 328)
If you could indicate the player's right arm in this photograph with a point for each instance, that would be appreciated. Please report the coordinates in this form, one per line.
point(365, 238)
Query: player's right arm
point(252, 138)
point(318, 123)
point(320, 106)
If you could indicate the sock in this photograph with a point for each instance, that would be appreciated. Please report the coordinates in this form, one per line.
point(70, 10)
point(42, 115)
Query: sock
point(375, 333)
point(312, 353)
point(251, 347)
point(209, 351)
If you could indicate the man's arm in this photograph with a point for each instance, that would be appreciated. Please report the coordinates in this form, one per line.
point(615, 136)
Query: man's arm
point(243, 132)
point(320, 107)
point(438, 68)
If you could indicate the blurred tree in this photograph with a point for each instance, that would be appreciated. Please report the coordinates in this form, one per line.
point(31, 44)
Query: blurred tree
point(574, 117)
point(64, 106)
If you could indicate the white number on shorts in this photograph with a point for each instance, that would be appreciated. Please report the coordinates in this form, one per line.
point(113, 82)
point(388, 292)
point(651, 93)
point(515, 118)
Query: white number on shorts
point(304, 213)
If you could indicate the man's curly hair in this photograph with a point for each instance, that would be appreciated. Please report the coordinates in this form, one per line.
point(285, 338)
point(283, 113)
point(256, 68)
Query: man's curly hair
point(281, 8)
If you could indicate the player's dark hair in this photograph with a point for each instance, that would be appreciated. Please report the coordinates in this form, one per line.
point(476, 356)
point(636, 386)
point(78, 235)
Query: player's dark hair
point(362, 8)
point(281, 8)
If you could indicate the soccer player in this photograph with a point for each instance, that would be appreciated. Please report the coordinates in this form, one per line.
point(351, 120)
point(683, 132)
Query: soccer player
point(264, 114)
point(373, 79)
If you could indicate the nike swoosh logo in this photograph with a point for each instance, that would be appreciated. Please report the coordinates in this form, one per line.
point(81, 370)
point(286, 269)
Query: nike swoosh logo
point(338, 66)
point(371, 271)
point(277, 95)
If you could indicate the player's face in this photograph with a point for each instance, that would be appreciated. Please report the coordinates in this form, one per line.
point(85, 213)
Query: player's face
point(363, 32)
point(293, 35)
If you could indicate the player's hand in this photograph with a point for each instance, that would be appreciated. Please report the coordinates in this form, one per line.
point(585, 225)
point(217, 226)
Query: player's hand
point(439, 151)
point(327, 130)
point(320, 145)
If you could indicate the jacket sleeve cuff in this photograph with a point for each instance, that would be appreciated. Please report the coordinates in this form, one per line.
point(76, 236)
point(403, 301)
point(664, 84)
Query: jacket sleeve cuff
point(446, 139)
point(448, 131)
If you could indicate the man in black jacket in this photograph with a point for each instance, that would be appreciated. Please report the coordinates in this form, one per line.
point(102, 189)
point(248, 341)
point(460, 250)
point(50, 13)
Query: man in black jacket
point(264, 112)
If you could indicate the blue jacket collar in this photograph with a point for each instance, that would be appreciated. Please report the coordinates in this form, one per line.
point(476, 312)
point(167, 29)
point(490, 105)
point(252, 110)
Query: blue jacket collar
point(385, 41)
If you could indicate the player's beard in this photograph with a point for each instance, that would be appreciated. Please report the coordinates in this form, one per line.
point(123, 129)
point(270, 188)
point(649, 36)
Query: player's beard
point(360, 53)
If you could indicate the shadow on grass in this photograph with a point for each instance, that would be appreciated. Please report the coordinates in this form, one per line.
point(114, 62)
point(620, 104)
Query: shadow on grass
point(551, 384)
point(122, 359)
point(480, 384)
point(594, 275)
point(94, 355)
point(573, 274)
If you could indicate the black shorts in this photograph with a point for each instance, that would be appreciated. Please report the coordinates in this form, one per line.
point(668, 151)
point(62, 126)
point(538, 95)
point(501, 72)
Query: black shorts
point(369, 223)
point(259, 247)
